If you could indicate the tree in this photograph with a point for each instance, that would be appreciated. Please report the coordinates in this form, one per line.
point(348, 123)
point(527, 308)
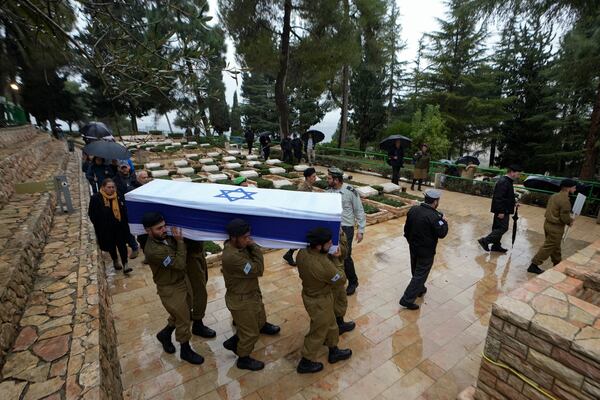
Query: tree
point(236, 121)
point(428, 127)
point(258, 110)
point(74, 108)
point(394, 70)
point(217, 105)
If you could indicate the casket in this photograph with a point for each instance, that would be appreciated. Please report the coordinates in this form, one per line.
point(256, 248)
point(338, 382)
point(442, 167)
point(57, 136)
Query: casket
point(279, 218)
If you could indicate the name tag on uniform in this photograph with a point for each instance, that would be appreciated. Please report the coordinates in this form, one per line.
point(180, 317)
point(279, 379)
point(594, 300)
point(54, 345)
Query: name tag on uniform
point(441, 222)
point(167, 261)
point(247, 268)
point(335, 278)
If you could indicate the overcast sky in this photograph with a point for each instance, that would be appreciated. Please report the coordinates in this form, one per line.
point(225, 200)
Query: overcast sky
point(417, 17)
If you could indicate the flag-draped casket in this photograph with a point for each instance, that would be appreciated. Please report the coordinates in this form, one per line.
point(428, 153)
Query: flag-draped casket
point(279, 218)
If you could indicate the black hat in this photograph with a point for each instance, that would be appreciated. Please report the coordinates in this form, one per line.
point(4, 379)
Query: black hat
point(151, 219)
point(309, 171)
point(568, 183)
point(515, 168)
point(237, 227)
point(318, 236)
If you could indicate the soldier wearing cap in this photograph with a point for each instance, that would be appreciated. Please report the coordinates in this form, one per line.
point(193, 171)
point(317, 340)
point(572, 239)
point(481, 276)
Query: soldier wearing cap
point(243, 263)
point(503, 205)
point(424, 227)
point(558, 215)
point(319, 276)
point(352, 214)
point(167, 258)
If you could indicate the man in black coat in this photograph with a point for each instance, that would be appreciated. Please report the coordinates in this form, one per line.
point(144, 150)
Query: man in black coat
point(265, 146)
point(503, 205)
point(396, 160)
point(297, 147)
point(286, 148)
point(249, 136)
point(424, 227)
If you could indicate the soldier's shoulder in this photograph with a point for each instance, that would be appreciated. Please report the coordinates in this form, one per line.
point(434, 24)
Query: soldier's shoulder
point(350, 188)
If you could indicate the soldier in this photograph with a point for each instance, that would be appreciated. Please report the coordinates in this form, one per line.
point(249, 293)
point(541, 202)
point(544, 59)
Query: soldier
point(197, 273)
point(319, 276)
point(558, 215)
point(340, 298)
point(503, 204)
point(352, 213)
point(310, 177)
point(167, 259)
point(243, 263)
point(424, 226)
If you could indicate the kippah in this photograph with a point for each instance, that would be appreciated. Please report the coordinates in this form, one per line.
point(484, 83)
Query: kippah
point(568, 183)
point(237, 227)
point(318, 236)
point(151, 219)
point(309, 171)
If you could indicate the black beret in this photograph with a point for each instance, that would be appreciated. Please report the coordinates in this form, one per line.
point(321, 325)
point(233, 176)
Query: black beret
point(151, 219)
point(318, 236)
point(309, 171)
point(237, 227)
point(568, 183)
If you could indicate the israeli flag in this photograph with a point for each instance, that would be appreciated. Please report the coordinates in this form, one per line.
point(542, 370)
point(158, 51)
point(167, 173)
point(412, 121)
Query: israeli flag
point(278, 218)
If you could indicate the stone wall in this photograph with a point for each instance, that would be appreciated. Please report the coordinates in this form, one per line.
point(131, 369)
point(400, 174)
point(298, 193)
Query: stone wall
point(10, 137)
point(548, 334)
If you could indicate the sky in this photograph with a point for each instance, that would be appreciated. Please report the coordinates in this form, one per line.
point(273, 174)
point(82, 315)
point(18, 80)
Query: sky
point(417, 17)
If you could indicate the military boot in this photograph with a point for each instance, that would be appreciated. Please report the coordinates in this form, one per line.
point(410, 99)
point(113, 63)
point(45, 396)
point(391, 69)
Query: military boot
point(164, 337)
point(199, 329)
point(336, 354)
point(344, 326)
point(189, 355)
point(250, 363)
point(289, 258)
point(269, 329)
point(306, 366)
point(231, 343)
point(534, 269)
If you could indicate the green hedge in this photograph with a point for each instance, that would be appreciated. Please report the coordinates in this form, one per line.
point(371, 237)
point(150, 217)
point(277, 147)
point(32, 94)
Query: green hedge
point(369, 209)
point(212, 247)
point(387, 200)
point(225, 182)
point(263, 183)
point(289, 187)
point(322, 184)
point(408, 196)
point(468, 186)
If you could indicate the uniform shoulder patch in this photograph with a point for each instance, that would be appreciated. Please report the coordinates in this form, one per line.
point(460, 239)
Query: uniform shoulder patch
point(441, 222)
point(247, 268)
point(335, 278)
point(167, 261)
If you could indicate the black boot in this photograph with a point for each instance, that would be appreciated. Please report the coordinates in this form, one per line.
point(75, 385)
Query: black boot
point(231, 343)
point(336, 354)
point(306, 366)
point(410, 306)
point(420, 183)
point(269, 329)
point(412, 186)
point(164, 337)
point(190, 355)
point(345, 326)
point(534, 269)
point(422, 292)
point(484, 244)
point(289, 258)
point(498, 249)
point(351, 288)
point(199, 329)
point(250, 363)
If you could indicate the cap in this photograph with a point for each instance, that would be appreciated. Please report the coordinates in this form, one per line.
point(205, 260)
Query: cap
point(515, 168)
point(333, 171)
point(318, 236)
point(123, 162)
point(568, 183)
point(237, 227)
point(239, 180)
point(433, 194)
point(152, 218)
point(309, 171)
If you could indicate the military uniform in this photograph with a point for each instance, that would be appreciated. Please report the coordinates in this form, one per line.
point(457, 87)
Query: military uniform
point(340, 299)
point(319, 276)
point(241, 269)
point(558, 215)
point(305, 187)
point(167, 260)
point(197, 272)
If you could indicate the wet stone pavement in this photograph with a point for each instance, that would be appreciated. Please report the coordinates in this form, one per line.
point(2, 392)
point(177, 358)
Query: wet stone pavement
point(433, 353)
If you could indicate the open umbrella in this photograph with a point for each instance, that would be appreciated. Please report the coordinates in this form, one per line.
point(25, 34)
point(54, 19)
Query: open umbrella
point(318, 136)
point(107, 150)
point(96, 131)
point(389, 142)
point(515, 218)
point(541, 182)
point(467, 159)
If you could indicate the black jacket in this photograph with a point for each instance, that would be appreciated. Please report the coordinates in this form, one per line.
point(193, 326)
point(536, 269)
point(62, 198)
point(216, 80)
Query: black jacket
point(249, 135)
point(108, 229)
point(424, 226)
point(125, 184)
point(503, 201)
point(286, 144)
point(399, 154)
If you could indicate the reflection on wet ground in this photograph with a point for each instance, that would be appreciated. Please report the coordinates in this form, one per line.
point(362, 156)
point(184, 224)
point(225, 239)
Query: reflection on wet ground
point(432, 353)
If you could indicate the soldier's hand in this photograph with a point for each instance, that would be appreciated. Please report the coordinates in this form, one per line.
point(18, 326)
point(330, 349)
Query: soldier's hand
point(177, 234)
point(359, 237)
point(500, 216)
point(444, 219)
point(337, 253)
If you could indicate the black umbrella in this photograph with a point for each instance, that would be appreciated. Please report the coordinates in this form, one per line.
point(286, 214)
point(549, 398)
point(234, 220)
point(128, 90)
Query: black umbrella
point(107, 150)
point(318, 136)
point(96, 131)
point(390, 141)
point(515, 217)
point(540, 182)
point(467, 159)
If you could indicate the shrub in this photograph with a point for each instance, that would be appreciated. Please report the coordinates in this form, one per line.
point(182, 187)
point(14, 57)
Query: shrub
point(467, 186)
point(322, 184)
point(263, 183)
point(387, 200)
point(287, 167)
point(289, 187)
point(408, 196)
point(225, 182)
point(212, 247)
point(379, 188)
point(369, 209)
point(264, 171)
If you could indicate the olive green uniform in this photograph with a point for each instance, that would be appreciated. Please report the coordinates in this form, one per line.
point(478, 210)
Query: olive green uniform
point(340, 298)
point(304, 186)
point(422, 166)
point(197, 272)
point(167, 260)
point(319, 276)
point(558, 214)
point(241, 269)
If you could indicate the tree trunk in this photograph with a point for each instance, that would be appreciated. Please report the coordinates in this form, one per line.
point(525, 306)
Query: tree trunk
point(169, 122)
point(280, 82)
point(199, 100)
point(492, 153)
point(134, 126)
point(591, 150)
point(345, 88)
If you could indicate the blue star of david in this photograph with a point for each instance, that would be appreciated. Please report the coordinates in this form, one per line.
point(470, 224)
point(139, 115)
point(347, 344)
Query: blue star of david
point(244, 195)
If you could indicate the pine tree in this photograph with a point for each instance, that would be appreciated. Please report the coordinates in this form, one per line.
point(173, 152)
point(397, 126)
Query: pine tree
point(394, 69)
point(217, 105)
point(259, 111)
point(236, 118)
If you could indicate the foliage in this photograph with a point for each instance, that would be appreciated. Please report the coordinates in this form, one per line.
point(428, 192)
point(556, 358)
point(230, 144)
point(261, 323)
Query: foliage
point(322, 184)
point(212, 247)
point(379, 188)
point(263, 183)
point(289, 187)
point(236, 117)
point(369, 209)
point(386, 200)
point(428, 127)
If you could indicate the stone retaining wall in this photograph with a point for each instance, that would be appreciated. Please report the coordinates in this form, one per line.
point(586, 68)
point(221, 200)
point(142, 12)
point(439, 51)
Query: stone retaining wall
point(12, 136)
point(546, 332)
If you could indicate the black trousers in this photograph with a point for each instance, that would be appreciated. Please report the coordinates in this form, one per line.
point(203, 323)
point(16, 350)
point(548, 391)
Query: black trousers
point(419, 267)
point(266, 152)
point(287, 156)
point(349, 262)
point(249, 147)
point(121, 246)
point(395, 174)
point(499, 228)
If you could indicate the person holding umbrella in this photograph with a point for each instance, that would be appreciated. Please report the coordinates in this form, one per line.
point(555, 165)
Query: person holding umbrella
point(421, 171)
point(558, 215)
point(396, 160)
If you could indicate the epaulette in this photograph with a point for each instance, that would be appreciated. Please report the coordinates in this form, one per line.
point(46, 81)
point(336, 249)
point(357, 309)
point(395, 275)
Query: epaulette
point(351, 188)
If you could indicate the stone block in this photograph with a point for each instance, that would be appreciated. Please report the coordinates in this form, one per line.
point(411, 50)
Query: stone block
point(508, 391)
point(566, 392)
point(366, 191)
point(253, 163)
point(282, 182)
point(204, 144)
point(273, 161)
point(276, 170)
point(499, 373)
point(300, 168)
point(206, 160)
point(182, 179)
point(217, 177)
point(152, 165)
point(496, 322)
point(592, 388)
point(191, 155)
point(251, 157)
point(492, 347)
point(514, 311)
point(210, 168)
point(509, 343)
point(180, 163)
point(390, 187)
point(185, 171)
point(229, 159)
point(249, 174)
point(550, 306)
point(234, 152)
point(539, 376)
point(232, 165)
point(213, 154)
point(515, 382)
point(159, 172)
point(555, 330)
point(534, 342)
point(555, 368)
point(578, 363)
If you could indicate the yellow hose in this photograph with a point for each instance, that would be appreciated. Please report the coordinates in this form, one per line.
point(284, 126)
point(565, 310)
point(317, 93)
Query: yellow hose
point(520, 376)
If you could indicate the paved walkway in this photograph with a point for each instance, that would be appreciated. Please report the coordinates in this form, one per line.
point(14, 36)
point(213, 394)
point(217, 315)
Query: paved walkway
point(432, 353)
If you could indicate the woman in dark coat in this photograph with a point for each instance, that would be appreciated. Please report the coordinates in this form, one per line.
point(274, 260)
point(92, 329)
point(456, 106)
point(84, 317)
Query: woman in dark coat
point(97, 172)
point(396, 160)
point(109, 216)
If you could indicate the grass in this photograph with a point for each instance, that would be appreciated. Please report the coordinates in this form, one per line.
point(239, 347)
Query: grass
point(387, 201)
point(289, 187)
point(369, 209)
point(408, 196)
